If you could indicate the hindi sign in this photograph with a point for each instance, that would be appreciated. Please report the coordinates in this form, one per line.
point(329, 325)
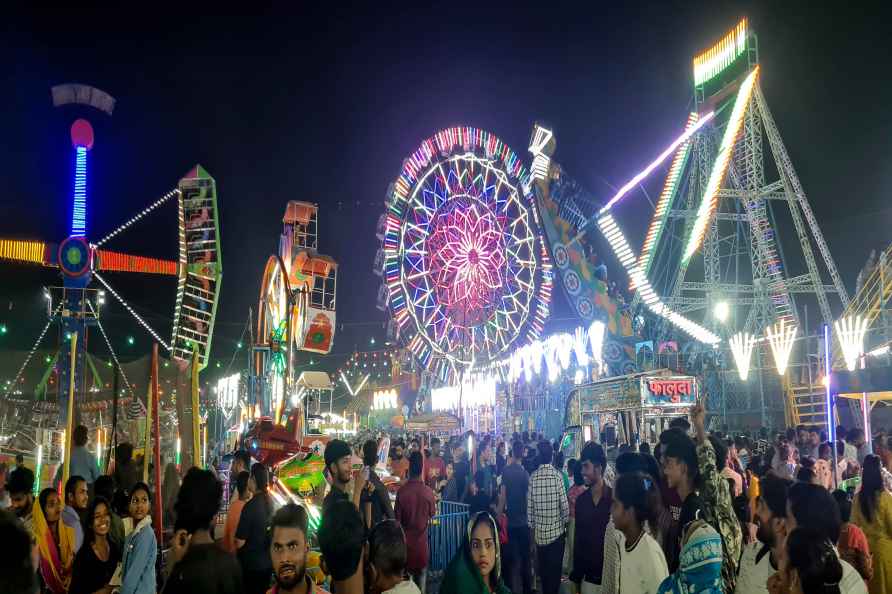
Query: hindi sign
point(680, 390)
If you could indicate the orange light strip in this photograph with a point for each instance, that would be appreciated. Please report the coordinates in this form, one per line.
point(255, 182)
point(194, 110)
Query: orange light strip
point(656, 224)
point(23, 251)
point(118, 262)
point(720, 167)
point(712, 61)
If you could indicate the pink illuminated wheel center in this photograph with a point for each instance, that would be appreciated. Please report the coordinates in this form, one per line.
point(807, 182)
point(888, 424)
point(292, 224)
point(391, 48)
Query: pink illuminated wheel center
point(82, 134)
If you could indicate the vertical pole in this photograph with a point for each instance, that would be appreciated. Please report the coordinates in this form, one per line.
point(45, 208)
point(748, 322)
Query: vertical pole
point(148, 438)
point(156, 453)
point(196, 416)
point(70, 418)
point(831, 428)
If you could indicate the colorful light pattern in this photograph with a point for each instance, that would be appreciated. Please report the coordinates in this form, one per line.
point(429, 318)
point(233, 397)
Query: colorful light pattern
point(685, 137)
point(23, 251)
point(557, 351)
point(666, 196)
point(713, 61)
point(79, 211)
point(742, 348)
point(781, 340)
point(465, 265)
point(118, 262)
point(720, 167)
point(639, 282)
point(850, 333)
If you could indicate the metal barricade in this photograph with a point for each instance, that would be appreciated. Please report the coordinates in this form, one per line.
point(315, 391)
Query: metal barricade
point(446, 533)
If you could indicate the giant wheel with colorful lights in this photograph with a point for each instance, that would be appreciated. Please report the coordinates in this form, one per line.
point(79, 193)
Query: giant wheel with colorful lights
point(465, 265)
point(276, 321)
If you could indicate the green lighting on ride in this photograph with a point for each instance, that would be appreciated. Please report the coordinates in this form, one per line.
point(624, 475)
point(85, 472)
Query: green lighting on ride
point(47, 359)
point(239, 345)
point(218, 365)
point(3, 329)
point(131, 341)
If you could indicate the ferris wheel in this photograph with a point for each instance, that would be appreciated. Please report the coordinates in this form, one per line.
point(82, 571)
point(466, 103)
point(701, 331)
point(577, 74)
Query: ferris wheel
point(276, 321)
point(467, 276)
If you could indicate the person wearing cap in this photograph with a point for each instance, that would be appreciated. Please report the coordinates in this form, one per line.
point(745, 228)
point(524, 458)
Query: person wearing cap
point(338, 464)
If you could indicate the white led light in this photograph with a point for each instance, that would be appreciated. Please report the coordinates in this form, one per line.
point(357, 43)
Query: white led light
point(850, 333)
point(781, 341)
point(132, 312)
point(742, 349)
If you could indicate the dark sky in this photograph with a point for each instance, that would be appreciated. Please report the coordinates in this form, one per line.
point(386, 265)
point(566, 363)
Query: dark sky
point(323, 104)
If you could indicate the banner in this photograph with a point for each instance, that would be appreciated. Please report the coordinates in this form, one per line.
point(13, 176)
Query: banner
point(681, 390)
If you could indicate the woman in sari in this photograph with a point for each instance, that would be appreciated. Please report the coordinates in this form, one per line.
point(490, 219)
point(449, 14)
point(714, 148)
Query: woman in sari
point(475, 569)
point(700, 563)
point(55, 542)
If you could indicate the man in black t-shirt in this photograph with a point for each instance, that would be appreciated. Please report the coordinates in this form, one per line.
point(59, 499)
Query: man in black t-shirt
point(338, 457)
point(251, 537)
point(199, 564)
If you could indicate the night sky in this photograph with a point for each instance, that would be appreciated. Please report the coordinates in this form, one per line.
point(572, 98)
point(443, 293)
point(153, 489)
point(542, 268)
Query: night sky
point(324, 106)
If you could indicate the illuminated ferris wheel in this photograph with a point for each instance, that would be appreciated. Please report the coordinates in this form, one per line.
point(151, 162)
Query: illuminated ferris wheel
point(466, 271)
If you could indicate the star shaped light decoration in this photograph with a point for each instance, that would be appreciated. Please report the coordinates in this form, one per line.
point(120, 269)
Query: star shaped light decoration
point(467, 249)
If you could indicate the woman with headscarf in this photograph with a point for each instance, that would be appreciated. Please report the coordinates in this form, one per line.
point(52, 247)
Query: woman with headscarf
point(476, 568)
point(699, 564)
point(55, 541)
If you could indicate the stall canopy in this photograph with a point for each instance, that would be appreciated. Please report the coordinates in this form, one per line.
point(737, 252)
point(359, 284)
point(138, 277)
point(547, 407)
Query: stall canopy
point(433, 423)
point(314, 380)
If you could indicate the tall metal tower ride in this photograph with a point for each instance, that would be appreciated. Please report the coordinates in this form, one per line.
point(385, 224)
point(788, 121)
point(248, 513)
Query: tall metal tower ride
point(714, 247)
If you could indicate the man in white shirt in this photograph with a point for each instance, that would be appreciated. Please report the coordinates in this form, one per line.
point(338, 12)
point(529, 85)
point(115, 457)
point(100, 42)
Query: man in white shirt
point(759, 559)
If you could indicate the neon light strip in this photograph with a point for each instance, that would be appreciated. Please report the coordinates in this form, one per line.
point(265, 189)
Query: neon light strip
point(119, 262)
point(23, 251)
point(781, 341)
point(713, 61)
point(621, 248)
point(111, 350)
point(132, 312)
point(686, 135)
point(79, 212)
point(666, 196)
point(34, 348)
point(137, 217)
point(742, 348)
point(850, 333)
point(720, 167)
point(831, 426)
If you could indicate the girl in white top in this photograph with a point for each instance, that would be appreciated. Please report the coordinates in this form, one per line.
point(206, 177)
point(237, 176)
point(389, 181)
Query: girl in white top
point(642, 563)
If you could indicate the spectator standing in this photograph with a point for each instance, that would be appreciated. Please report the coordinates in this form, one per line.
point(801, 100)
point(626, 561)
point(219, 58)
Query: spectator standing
point(127, 472)
point(811, 565)
point(339, 464)
point(76, 498)
point(761, 559)
point(475, 569)
point(105, 487)
point(169, 489)
point(872, 512)
point(592, 513)
point(852, 544)
point(374, 503)
point(812, 507)
point(547, 515)
point(55, 542)
point(199, 564)
point(341, 541)
point(288, 551)
point(399, 464)
point(235, 511)
point(642, 563)
point(435, 469)
point(18, 561)
point(415, 506)
point(251, 535)
point(82, 462)
point(241, 462)
point(4, 493)
point(513, 503)
point(461, 470)
point(501, 458)
point(387, 561)
point(140, 546)
point(21, 496)
point(97, 560)
point(478, 500)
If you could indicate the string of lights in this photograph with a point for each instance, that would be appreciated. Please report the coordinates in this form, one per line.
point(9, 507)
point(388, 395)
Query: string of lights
point(114, 356)
point(131, 310)
point(144, 212)
point(37, 342)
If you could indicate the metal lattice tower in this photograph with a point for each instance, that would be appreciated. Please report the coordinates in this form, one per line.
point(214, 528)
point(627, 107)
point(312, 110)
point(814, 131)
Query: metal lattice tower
point(736, 255)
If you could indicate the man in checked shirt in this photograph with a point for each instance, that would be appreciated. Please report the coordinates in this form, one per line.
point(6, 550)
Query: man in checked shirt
point(547, 514)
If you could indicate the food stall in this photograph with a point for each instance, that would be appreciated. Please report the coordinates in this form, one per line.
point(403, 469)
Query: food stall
point(629, 408)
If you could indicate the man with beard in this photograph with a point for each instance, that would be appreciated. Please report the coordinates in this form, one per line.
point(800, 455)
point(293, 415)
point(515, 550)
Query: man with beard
point(339, 464)
point(76, 498)
point(399, 465)
point(760, 559)
point(288, 550)
point(21, 495)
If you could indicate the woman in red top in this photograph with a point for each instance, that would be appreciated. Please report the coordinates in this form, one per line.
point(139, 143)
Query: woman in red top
point(852, 543)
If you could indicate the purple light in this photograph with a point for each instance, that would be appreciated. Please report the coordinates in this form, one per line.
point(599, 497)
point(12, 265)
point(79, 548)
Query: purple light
point(831, 428)
point(663, 156)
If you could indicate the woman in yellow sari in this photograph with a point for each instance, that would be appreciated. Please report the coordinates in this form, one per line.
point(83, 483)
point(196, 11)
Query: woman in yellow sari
point(55, 542)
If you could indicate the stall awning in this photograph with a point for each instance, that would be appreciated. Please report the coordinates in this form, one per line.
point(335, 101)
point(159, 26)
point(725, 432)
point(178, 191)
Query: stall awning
point(314, 380)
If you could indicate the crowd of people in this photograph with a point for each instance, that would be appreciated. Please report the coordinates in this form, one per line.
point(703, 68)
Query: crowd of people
point(702, 512)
